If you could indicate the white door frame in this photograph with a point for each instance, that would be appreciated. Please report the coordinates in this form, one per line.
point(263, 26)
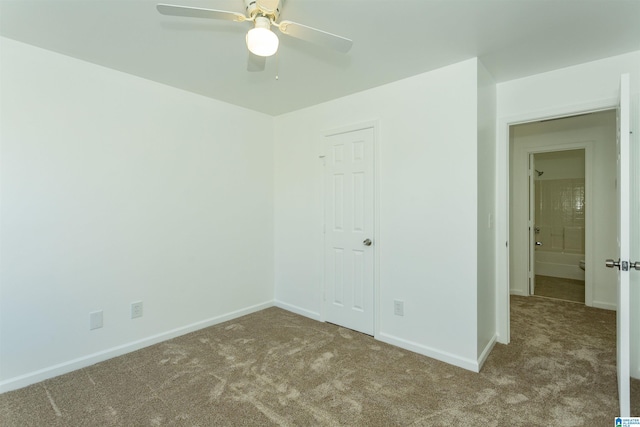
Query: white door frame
point(502, 208)
point(375, 125)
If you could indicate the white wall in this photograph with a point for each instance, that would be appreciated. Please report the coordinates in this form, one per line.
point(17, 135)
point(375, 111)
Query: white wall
point(427, 208)
point(579, 88)
point(580, 85)
point(486, 292)
point(116, 189)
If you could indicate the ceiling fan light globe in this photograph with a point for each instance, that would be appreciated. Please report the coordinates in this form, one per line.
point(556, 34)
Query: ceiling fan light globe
point(262, 41)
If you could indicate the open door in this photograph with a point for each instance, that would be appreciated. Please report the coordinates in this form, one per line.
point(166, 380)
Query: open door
point(634, 279)
point(623, 263)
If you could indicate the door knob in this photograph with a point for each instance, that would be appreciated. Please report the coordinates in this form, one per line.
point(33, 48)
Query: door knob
point(367, 242)
point(635, 265)
point(611, 263)
point(538, 243)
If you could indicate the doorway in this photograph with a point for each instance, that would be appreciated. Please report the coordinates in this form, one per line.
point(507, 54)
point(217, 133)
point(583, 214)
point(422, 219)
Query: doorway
point(557, 210)
point(553, 153)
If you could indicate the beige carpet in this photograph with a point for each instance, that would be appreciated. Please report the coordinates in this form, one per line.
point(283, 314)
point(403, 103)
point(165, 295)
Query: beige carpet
point(560, 288)
point(277, 368)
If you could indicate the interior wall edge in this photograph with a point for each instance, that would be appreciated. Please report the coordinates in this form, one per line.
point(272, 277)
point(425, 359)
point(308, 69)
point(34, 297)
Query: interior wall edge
point(484, 354)
point(27, 379)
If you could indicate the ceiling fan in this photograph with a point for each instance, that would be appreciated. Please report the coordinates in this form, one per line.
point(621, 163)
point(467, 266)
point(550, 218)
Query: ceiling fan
point(261, 41)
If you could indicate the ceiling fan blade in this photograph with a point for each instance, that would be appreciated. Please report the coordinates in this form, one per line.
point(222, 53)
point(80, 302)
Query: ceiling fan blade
point(313, 35)
point(196, 12)
point(255, 62)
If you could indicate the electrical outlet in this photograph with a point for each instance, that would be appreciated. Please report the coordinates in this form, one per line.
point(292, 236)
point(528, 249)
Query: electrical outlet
point(95, 320)
point(398, 307)
point(136, 309)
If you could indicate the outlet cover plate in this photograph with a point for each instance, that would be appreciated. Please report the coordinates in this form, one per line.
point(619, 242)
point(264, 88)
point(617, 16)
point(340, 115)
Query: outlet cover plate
point(95, 320)
point(136, 309)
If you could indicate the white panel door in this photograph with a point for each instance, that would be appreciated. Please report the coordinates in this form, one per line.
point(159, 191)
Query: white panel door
point(624, 233)
point(349, 225)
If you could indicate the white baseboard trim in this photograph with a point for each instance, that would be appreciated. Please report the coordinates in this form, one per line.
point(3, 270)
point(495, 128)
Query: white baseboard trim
point(452, 359)
point(518, 292)
point(91, 359)
point(605, 305)
point(298, 310)
point(469, 364)
point(486, 351)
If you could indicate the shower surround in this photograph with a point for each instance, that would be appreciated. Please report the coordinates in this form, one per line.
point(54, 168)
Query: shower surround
point(560, 227)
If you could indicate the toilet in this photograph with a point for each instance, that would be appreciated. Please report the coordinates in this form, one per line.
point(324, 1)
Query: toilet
point(581, 264)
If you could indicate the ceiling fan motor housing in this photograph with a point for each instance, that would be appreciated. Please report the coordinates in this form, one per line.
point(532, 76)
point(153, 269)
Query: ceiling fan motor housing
point(268, 8)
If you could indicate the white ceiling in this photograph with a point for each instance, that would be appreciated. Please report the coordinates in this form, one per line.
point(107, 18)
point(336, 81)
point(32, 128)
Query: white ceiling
point(393, 39)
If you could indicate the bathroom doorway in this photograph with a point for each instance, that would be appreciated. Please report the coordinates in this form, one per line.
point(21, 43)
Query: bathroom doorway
point(537, 152)
point(557, 208)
